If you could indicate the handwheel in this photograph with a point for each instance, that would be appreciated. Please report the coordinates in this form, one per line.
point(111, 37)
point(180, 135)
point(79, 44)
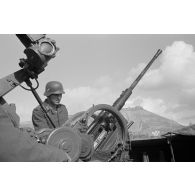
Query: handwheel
point(105, 124)
point(66, 139)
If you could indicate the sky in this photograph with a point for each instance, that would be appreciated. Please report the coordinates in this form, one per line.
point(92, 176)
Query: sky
point(96, 68)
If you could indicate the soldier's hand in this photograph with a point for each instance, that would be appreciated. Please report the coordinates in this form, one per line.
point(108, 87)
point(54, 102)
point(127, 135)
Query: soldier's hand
point(43, 134)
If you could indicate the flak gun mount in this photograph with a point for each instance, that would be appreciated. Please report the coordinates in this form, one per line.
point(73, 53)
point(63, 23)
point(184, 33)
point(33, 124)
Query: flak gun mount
point(98, 134)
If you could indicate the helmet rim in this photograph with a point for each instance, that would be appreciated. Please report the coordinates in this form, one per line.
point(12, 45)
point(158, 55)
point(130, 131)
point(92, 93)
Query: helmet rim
point(53, 87)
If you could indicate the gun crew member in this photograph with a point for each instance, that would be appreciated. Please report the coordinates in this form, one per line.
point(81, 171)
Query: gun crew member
point(56, 111)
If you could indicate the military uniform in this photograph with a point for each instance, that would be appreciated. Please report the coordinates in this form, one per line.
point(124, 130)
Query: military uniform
point(58, 116)
point(17, 146)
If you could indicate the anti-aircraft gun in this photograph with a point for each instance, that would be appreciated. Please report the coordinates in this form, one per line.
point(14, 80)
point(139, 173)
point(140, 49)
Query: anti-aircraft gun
point(103, 129)
point(100, 133)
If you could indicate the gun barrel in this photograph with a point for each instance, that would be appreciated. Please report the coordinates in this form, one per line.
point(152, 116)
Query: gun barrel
point(119, 103)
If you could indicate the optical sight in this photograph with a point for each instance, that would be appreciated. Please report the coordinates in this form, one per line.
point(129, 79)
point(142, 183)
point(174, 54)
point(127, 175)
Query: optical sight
point(39, 50)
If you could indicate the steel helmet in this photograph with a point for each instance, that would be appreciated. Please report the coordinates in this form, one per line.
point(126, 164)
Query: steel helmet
point(53, 87)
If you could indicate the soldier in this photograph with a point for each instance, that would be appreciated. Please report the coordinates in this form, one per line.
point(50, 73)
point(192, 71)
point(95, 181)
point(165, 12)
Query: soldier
point(56, 111)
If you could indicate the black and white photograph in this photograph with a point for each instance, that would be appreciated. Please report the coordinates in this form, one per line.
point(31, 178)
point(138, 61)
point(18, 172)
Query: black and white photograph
point(97, 97)
point(106, 97)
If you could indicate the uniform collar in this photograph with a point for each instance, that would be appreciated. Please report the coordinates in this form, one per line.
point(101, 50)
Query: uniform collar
point(48, 107)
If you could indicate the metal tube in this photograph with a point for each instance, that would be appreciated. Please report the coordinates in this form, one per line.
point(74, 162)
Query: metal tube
point(119, 103)
point(28, 82)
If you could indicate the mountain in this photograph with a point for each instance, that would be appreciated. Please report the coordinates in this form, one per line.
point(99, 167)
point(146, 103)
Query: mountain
point(189, 130)
point(148, 124)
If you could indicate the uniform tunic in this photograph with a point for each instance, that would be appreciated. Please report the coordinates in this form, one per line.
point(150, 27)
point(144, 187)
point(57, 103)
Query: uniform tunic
point(17, 146)
point(58, 116)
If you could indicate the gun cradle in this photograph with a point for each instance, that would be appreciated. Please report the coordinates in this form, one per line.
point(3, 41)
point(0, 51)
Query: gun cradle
point(105, 125)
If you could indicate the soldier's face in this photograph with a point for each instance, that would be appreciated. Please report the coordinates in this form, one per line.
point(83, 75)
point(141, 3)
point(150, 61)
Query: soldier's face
point(55, 99)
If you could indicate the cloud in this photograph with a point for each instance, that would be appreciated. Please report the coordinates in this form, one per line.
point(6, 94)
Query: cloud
point(102, 91)
point(176, 68)
point(171, 86)
point(134, 72)
point(150, 104)
point(82, 98)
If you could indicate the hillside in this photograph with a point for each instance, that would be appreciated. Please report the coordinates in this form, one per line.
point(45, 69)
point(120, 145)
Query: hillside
point(148, 124)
